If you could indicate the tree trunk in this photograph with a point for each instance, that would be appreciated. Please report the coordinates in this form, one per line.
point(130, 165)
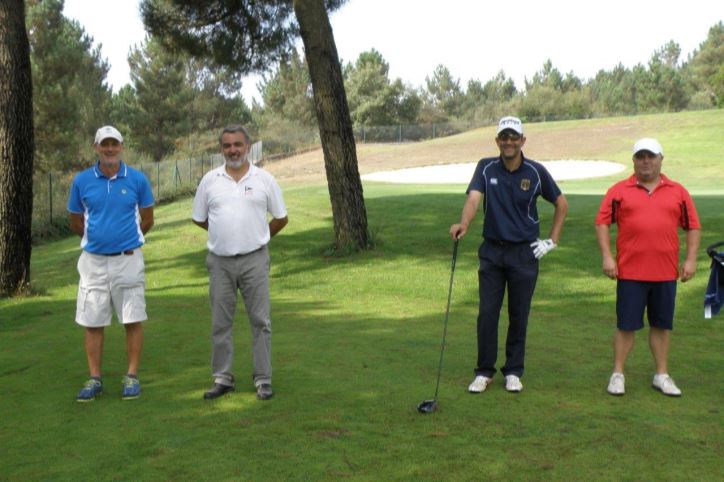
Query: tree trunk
point(16, 149)
point(335, 126)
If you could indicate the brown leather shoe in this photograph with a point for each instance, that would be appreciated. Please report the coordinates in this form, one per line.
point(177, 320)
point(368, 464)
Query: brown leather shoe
point(217, 390)
point(264, 391)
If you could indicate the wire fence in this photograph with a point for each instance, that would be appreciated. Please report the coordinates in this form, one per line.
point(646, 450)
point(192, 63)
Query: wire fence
point(172, 178)
point(169, 179)
point(411, 132)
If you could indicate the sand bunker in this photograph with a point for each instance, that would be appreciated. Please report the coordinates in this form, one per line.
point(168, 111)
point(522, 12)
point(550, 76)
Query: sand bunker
point(461, 173)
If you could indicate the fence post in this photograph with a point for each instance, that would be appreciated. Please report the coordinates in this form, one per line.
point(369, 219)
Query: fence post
point(158, 180)
point(191, 171)
point(364, 135)
point(433, 130)
point(50, 196)
point(175, 175)
point(399, 133)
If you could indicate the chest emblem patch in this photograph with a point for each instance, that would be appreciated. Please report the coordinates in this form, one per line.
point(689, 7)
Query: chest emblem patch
point(248, 191)
point(525, 184)
point(123, 191)
point(494, 181)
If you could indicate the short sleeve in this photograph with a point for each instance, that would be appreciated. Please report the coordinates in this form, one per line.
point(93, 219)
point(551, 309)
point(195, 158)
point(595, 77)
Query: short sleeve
point(276, 207)
point(477, 183)
point(145, 195)
point(606, 212)
point(689, 216)
point(200, 207)
point(75, 201)
point(549, 189)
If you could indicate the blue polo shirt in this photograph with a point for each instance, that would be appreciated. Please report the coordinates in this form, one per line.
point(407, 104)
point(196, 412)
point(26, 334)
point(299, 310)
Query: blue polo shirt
point(110, 208)
point(509, 203)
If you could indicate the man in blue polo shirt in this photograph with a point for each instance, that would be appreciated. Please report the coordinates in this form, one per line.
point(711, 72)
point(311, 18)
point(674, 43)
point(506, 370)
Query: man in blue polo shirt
point(111, 208)
point(508, 186)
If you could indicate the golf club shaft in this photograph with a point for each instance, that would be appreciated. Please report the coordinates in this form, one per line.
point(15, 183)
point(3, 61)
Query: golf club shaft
point(447, 315)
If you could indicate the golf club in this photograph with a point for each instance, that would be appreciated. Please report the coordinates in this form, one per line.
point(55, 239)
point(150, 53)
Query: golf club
point(429, 406)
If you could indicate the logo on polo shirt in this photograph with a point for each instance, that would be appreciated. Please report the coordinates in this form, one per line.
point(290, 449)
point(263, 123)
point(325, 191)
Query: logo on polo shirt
point(123, 191)
point(525, 184)
point(494, 181)
point(248, 191)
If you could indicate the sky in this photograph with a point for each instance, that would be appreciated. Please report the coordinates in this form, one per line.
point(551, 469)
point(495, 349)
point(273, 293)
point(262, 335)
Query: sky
point(474, 39)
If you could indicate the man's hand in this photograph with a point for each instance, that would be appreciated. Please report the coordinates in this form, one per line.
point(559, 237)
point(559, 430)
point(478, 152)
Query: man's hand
point(457, 231)
point(609, 267)
point(541, 247)
point(688, 270)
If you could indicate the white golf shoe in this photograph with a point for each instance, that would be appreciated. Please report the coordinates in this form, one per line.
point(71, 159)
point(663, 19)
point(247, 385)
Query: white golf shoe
point(616, 384)
point(666, 385)
point(513, 384)
point(479, 384)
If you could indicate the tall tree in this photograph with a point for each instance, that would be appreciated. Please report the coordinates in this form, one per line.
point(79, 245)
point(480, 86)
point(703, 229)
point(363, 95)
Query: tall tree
point(614, 91)
point(215, 96)
point(16, 149)
point(162, 97)
point(248, 36)
point(335, 125)
point(706, 66)
point(662, 88)
point(287, 92)
point(374, 99)
point(443, 95)
point(70, 97)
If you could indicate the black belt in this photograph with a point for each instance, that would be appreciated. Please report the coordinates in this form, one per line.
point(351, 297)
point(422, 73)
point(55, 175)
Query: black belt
point(505, 243)
point(127, 252)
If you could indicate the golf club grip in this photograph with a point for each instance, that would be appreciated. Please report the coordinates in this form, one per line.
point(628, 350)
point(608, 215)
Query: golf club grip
point(455, 254)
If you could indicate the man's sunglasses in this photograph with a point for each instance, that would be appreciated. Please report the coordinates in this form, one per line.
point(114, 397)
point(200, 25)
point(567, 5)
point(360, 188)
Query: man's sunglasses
point(508, 136)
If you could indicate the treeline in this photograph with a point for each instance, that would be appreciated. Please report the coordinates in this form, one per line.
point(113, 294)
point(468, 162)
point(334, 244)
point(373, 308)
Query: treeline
point(175, 105)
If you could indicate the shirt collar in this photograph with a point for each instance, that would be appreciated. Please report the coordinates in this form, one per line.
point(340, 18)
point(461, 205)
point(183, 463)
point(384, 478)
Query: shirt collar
point(122, 170)
point(632, 181)
point(221, 171)
point(523, 160)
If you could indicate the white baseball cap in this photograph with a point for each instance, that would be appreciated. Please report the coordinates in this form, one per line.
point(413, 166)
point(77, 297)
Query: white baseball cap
point(512, 123)
point(108, 132)
point(648, 144)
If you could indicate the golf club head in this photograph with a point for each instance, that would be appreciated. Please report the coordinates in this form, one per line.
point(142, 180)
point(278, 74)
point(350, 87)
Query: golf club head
point(428, 406)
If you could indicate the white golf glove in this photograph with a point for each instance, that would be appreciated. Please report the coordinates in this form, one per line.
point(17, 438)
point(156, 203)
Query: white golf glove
point(541, 247)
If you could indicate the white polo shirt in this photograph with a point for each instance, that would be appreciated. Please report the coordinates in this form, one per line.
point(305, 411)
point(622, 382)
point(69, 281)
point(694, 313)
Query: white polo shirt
point(237, 211)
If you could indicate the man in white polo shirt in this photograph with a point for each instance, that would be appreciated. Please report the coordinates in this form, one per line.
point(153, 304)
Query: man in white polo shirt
point(111, 208)
point(232, 202)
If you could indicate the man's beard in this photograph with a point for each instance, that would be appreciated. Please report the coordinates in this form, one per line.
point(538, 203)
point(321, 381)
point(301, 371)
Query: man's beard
point(235, 164)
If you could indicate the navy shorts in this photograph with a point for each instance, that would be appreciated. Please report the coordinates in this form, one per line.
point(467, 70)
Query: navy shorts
point(656, 297)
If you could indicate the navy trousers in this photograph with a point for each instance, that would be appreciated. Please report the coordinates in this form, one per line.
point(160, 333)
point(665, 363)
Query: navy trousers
point(504, 265)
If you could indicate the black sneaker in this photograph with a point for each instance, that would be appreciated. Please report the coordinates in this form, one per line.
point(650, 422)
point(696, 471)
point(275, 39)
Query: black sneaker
point(217, 390)
point(264, 391)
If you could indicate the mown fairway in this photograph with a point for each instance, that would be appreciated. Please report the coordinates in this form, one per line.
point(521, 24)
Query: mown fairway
point(356, 345)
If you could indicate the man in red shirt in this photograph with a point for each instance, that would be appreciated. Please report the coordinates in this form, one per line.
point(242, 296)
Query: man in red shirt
point(648, 208)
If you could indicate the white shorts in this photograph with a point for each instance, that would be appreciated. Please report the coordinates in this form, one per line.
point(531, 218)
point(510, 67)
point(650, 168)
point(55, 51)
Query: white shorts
point(107, 283)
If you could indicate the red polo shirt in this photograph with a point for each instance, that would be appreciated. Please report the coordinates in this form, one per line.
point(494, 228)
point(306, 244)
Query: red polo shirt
point(647, 242)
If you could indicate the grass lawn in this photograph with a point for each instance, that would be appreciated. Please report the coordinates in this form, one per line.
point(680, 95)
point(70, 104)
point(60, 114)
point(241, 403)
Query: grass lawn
point(356, 345)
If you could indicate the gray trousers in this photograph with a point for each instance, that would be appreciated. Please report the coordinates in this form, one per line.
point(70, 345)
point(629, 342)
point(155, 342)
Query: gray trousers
point(249, 274)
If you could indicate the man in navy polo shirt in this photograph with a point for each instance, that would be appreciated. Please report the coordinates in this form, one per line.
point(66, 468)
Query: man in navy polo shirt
point(508, 186)
point(111, 208)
